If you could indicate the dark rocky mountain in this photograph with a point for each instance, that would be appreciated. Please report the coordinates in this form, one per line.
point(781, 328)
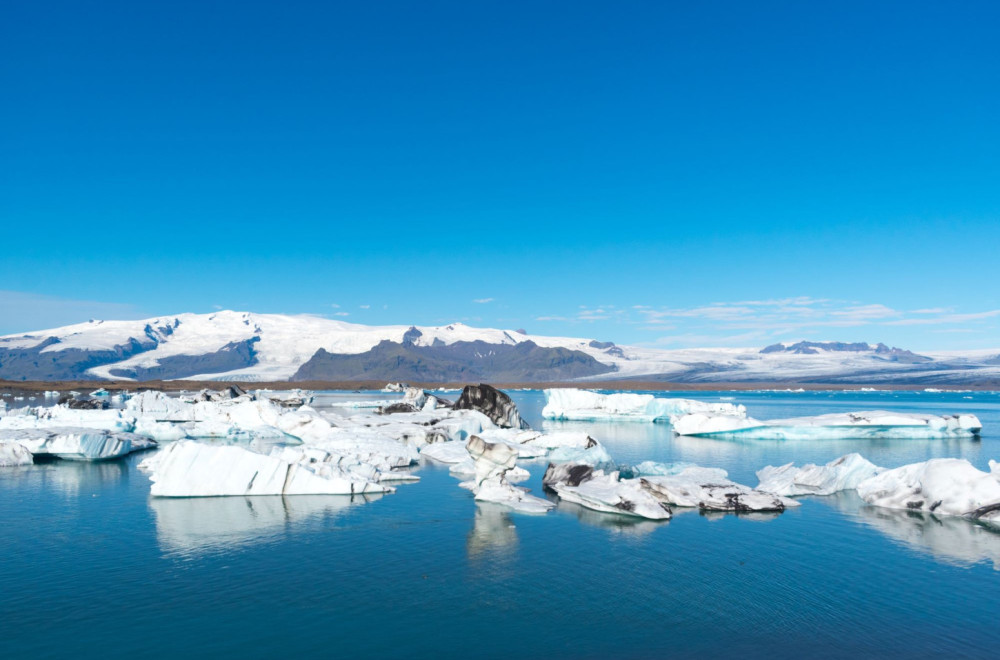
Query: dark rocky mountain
point(460, 361)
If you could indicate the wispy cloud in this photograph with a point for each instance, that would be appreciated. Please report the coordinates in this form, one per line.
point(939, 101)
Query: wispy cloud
point(341, 313)
point(365, 306)
point(25, 312)
point(482, 301)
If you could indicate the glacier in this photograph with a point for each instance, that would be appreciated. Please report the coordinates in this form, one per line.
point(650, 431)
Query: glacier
point(574, 405)
point(866, 425)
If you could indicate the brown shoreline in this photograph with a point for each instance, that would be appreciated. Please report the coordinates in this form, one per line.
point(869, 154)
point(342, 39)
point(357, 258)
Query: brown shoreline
point(86, 386)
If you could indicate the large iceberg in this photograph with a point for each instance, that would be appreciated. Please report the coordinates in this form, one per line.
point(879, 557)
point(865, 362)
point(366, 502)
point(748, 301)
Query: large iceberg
point(585, 406)
point(192, 469)
point(844, 473)
point(863, 425)
point(942, 486)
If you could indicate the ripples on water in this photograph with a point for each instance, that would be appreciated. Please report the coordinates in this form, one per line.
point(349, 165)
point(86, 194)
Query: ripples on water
point(91, 567)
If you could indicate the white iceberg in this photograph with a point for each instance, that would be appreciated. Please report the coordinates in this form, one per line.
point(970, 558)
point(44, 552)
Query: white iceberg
point(14, 453)
point(492, 463)
point(709, 489)
point(76, 444)
point(586, 406)
point(63, 416)
point(942, 486)
point(192, 469)
point(446, 452)
point(844, 473)
point(862, 425)
point(604, 492)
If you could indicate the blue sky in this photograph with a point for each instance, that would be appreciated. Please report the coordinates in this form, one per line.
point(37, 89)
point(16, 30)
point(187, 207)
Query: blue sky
point(669, 174)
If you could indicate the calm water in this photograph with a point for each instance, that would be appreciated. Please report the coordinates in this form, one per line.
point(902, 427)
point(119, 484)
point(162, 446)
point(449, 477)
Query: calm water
point(90, 566)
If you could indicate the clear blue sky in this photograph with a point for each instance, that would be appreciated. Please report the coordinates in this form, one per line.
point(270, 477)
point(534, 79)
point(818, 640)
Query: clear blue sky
point(722, 173)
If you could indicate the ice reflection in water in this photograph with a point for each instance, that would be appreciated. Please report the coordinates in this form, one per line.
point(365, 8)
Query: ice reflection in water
point(493, 532)
point(193, 525)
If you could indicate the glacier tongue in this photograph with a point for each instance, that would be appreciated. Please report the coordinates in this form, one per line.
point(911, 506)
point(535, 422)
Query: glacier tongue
point(864, 425)
point(585, 406)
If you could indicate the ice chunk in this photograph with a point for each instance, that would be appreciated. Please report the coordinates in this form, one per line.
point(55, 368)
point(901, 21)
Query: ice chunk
point(844, 473)
point(77, 444)
point(942, 486)
point(63, 416)
point(493, 403)
point(585, 406)
point(701, 487)
point(14, 453)
point(192, 469)
point(605, 492)
point(863, 425)
point(446, 452)
point(492, 462)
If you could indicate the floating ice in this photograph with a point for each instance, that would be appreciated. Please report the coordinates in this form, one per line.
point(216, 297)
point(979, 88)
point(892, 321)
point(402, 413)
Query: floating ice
point(942, 486)
point(14, 453)
point(605, 492)
point(76, 444)
point(844, 473)
point(192, 469)
point(492, 462)
point(864, 425)
point(584, 406)
point(63, 416)
point(710, 490)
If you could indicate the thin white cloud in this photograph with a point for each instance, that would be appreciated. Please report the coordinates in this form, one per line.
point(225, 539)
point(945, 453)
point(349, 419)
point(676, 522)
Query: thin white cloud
point(335, 305)
point(25, 312)
point(482, 301)
point(365, 306)
point(341, 314)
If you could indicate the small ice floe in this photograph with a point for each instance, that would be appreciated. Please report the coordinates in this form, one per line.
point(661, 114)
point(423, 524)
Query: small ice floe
point(492, 462)
point(100, 392)
point(586, 406)
point(864, 425)
point(844, 473)
point(709, 489)
point(192, 469)
point(395, 387)
point(604, 491)
point(51, 394)
point(941, 486)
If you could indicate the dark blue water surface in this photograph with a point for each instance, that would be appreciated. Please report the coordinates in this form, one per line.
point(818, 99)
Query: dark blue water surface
point(90, 566)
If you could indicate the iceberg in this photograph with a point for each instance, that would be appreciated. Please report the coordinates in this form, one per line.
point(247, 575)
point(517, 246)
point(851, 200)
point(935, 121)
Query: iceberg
point(492, 463)
point(14, 453)
point(942, 486)
point(192, 469)
point(604, 491)
point(585, 406)
point(844, 473)
point(493, 403)
point(64, 416)
point(709, 489)
point(76, 444)
point(862, 425)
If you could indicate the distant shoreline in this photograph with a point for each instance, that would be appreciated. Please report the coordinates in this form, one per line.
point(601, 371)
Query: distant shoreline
point(87, 386)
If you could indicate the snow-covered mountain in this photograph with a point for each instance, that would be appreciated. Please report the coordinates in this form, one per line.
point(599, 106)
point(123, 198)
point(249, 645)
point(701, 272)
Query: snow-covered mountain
point(272, 347)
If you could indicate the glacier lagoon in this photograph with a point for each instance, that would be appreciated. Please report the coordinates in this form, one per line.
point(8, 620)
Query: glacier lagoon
point(92, 566)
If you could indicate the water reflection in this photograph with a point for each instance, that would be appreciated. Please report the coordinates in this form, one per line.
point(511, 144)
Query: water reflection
point(193, 525)
point(948, 539)
point(493, 532)
point(69, 478)
point(626, 525)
